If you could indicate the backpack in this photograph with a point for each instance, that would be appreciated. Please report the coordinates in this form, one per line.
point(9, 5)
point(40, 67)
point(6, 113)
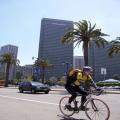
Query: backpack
point(71, 78)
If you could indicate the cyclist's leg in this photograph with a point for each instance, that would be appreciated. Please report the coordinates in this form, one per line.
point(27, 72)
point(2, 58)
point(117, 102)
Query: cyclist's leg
point(72, 91)
point(83, 97)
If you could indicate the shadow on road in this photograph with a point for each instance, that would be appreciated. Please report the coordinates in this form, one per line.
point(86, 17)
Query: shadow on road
point(28, 92)
point(68, 118)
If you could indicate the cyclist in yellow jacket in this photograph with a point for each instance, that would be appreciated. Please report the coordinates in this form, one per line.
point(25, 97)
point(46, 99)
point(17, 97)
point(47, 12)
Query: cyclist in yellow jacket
point(80, 85)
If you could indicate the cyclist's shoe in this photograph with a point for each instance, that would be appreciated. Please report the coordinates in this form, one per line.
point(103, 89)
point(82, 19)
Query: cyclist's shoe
point(76, 109)
point(98, 89)
point(69, 107)
point(83, 108)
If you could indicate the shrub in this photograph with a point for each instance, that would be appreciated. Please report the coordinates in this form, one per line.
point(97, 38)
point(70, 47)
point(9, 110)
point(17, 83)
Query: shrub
point(101, 84)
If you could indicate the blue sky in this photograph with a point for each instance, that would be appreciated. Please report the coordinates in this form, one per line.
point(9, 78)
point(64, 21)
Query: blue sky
point(20, 20)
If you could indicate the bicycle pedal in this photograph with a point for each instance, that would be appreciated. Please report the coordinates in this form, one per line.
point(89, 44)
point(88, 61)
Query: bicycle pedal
point(76, 109)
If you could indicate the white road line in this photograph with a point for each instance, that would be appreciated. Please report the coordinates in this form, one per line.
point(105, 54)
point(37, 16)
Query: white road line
point(29, 100)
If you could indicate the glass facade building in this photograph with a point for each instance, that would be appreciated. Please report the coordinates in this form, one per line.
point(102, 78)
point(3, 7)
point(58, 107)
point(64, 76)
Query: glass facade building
point(78, 62)
point(13, 50)
point(51, 48)
point(104, 67)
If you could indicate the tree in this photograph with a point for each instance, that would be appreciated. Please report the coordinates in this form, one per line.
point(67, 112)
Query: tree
point(116, 77)
point(43, 64)
point(84, 32)
point(19, 75)
point(115, 47)
point(8, 59)
point(52, 81)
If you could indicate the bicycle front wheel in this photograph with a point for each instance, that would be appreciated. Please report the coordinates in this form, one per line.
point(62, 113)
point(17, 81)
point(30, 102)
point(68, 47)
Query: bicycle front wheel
point(62, 106)
point(96, 109)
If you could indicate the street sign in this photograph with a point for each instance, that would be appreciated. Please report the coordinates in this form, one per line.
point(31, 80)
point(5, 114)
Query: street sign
point(36, 70)
point(103, 71)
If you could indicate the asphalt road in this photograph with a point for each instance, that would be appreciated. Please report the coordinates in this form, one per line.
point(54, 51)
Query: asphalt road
point(26, 106)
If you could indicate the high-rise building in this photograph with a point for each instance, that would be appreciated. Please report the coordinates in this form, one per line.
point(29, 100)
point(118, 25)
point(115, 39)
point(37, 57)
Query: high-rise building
point(13, 50)
point(78, 62)
point(104, 67)
point(51, 48)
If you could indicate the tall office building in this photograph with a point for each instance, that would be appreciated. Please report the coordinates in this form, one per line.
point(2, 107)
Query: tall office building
point(9, 49)
point(104, 67)
point(78, 62)
point(51, 48)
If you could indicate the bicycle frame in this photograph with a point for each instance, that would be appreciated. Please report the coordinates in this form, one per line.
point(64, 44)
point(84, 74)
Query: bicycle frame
point(88, 99)
point(90, 105)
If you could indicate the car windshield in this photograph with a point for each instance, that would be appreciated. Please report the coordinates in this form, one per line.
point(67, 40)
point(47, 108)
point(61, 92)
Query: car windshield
point(36, 83)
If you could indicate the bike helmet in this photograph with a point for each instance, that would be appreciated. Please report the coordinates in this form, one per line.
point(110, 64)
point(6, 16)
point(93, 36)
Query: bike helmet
point(87, 69)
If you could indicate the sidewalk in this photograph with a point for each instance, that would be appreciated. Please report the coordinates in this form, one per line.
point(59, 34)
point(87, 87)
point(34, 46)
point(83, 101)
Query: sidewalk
point(106, 91)
point(112, 91)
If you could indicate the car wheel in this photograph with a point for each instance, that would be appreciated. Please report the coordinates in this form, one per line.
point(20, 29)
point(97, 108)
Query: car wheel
point(33, 91)
point(46, 92)
point(20, 89)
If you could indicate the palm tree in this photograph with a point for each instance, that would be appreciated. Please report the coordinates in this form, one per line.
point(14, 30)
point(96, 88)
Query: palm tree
point(8, 59)
point(43, 64)
point(115, 47)
point(84, 32)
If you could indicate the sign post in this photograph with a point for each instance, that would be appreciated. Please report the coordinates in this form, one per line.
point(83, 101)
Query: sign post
point(103, 72)
point(36, 73)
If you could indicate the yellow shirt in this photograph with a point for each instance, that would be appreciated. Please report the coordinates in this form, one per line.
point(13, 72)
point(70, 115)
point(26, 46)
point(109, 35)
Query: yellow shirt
point(81, 77)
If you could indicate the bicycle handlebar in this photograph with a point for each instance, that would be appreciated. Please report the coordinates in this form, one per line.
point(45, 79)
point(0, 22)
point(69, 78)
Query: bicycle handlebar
point(96, 92)
point(99, 92)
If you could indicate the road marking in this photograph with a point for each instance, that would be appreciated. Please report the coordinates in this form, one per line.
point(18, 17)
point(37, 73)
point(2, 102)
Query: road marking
point(29, 100)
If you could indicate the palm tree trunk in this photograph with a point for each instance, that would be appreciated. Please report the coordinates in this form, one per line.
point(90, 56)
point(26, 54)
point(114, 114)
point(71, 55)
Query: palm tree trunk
point(7, 74)
point(43, 74)
point(85, 48)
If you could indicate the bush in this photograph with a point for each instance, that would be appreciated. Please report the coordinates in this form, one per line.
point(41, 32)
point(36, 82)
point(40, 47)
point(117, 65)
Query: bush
point(116, 77)
point(61, 82)
point(101, 84)
point(51, 81)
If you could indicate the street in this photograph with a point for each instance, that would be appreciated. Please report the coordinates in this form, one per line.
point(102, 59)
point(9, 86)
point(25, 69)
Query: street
point(27, 106)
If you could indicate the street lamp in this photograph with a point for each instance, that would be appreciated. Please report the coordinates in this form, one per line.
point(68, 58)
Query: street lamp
point(36, 71)
point(34, 58)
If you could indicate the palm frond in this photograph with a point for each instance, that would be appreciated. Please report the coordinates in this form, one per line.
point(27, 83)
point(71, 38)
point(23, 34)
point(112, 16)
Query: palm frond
point(78, 44)
point(8, 58)
point(84, 32)
point(99, 41)
point(91, 28)
point(115, 47)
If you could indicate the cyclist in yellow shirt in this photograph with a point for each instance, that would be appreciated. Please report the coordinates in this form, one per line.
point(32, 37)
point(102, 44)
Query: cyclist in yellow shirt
point(80, 85)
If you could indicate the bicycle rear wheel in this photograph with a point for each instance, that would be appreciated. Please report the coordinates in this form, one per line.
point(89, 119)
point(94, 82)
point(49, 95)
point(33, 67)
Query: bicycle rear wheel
point(96, 109)
point(62, 106)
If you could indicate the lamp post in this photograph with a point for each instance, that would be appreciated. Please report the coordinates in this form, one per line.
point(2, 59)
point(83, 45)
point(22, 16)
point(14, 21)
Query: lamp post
point(34, 58)
point(36, 71)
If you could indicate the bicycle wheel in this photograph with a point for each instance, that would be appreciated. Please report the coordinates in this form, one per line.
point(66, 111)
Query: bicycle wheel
point(96, 109)
point(62, 106)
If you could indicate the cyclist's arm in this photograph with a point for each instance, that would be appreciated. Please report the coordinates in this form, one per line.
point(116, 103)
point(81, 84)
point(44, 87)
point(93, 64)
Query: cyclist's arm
point(92, 82)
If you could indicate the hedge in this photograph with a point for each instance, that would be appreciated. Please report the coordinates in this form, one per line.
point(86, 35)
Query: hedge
point(101, 84)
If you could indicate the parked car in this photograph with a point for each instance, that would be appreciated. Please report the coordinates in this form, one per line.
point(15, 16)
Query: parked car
point(33, 87)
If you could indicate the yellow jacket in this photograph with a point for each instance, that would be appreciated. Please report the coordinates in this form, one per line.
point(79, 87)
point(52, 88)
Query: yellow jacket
point(82, 77)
